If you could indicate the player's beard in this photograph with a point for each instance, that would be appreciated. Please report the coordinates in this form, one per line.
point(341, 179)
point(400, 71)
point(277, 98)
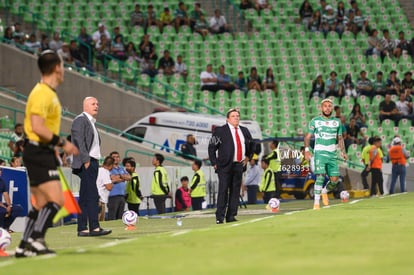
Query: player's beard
point(327, 114)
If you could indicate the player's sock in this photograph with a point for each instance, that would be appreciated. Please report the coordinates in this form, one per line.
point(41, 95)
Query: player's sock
point(30, 223)
point(318, 189)
point(44, 220)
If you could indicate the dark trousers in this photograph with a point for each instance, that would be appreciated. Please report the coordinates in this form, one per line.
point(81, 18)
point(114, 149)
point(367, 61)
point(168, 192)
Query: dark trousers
point(159, 201)
point(16, 211)
point(377, 179)
point(88, 197)
point(229, 192)
point(116, 207)
point(278, 183)
point(268, 195)
point(134, 207)
point(364, 175)
point(197, 203)
point(252, 194)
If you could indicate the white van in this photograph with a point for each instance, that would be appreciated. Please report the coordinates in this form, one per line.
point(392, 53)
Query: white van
point(168, 130)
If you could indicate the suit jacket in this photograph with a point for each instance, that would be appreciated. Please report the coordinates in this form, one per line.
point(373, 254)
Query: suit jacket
point(221, 147)
point(82, 136)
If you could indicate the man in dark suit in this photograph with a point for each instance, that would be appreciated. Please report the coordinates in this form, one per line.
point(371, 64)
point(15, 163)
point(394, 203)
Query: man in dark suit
point(229, 150)
point(86, 165)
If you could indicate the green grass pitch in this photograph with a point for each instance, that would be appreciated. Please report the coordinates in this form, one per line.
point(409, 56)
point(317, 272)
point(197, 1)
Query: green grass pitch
point(367, 236)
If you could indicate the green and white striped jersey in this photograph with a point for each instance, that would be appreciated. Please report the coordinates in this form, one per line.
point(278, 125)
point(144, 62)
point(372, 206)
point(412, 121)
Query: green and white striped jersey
point(326, 131)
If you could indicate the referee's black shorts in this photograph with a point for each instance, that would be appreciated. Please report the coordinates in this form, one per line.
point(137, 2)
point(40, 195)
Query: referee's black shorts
point(41, 163)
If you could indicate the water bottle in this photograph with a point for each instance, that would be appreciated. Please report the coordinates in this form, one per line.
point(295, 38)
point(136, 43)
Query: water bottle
point(179, 222)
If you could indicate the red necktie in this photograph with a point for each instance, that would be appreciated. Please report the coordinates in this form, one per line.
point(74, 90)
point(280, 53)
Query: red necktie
point(239, 146)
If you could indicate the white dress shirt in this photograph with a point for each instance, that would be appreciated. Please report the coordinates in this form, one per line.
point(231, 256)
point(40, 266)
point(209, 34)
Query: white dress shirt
point(233, 134)
point(95, 151)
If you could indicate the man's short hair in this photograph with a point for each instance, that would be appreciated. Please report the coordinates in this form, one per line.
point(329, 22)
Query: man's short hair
point(131, 162)
point(198, 163)
point(17, 125)
point(113, 153)
point(47, 62)
point(185, 178)
point(159, 157)
point(108, 161)
point(231, 111)
point(265, 160)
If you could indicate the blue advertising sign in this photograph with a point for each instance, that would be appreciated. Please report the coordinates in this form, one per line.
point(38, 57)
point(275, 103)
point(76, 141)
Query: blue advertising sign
point(16, 178)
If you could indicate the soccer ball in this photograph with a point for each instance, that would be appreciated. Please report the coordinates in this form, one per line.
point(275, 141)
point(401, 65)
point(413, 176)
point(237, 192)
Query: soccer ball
point(5, 239)
point(274, 204)
point(344, 196)
point(129, 218)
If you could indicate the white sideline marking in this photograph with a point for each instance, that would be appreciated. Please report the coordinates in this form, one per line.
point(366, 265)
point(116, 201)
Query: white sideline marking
point(6, 263)
point(182, 232)
point(116, 242)
point(355, 201)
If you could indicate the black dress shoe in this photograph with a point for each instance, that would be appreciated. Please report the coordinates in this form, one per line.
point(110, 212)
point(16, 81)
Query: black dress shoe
point(83, 233)
point(231, 220)
point(100, 232)
point(219, 222)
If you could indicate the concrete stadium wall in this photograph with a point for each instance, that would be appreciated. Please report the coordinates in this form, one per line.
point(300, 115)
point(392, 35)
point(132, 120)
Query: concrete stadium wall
point(118, 109)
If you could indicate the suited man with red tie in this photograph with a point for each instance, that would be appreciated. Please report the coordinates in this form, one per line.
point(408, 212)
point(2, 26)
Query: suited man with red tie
point(229, 150)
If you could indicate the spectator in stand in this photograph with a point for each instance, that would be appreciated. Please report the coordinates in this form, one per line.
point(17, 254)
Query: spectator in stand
point(354, 7)
point(147, 67)
point(166, 18)
point(137, 17)
point(182, 196)
point(305, 13)
point(103, 48)
point(180, 67)
point(332, 86)
point(269, 81)
point(56, 44)
point(195, 14)
point(374, 45)
point(118, 48)
point(166, 64)
point(8, 35)
point(347, 87)
point(402, 44)
point(181, 16)
point(77, 56)
point(359, 117)
point(86, 44)
point(261, 5)
point(405, 108)
point(254, 80)
point(64, 53)
point(329, 21)
point(131, 52)
point(407, 84)
point(201, 26)
point(96, 36)
point(218, 23)
point(350, 24)
point(389, 45)
point(17, 136)
point(315, 22)
point(361, 22)
point(245, 5)
point(240, 82)
point(147, 48)
point(338, 115)
point(18, 34)
point(364, 85)
point(151, 17)
point(209, 80)
point(379, 85)
point(318, 87)
point(117, 32)
point(393, 84)
point(352, 132)
point(388, 110)
point(224, 80)
point(322, 7)
point(33, 46)
point(340, 17)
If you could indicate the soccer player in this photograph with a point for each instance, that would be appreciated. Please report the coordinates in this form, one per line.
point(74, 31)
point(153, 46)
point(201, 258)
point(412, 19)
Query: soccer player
point(328, 132)
point(42, 126)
